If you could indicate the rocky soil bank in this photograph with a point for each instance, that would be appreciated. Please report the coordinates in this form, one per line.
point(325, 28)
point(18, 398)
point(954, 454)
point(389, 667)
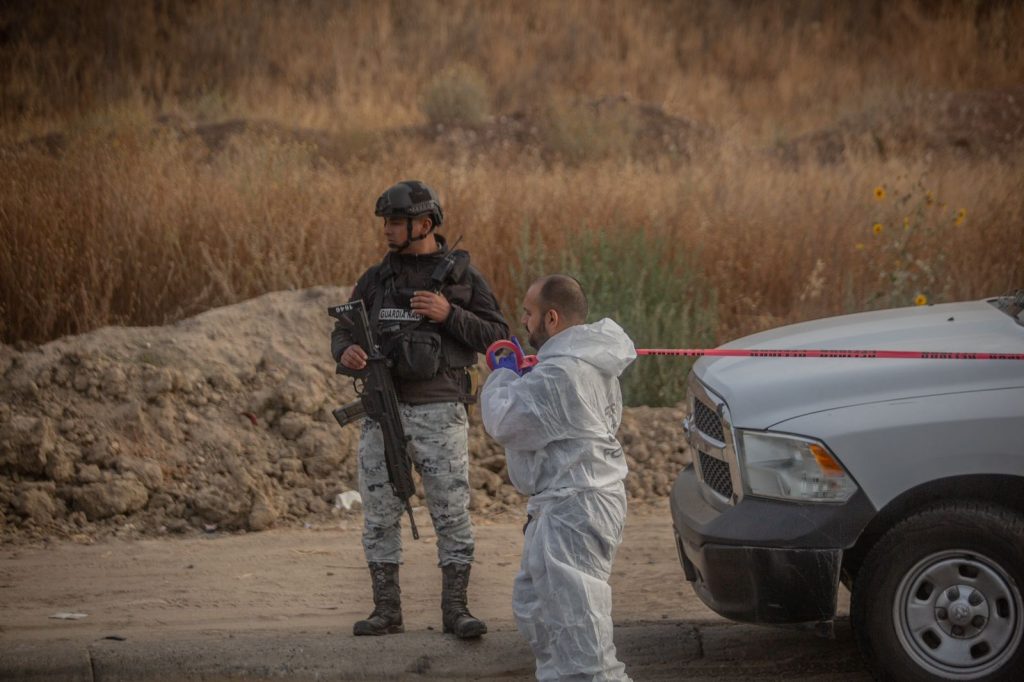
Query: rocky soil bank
point(217, 422)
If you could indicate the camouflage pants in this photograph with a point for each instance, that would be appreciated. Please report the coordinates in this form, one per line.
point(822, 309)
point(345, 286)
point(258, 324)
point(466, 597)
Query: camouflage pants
point(439, 435)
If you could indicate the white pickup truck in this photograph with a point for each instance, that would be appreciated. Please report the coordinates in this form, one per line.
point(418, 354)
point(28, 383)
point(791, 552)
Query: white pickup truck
point(901, 478)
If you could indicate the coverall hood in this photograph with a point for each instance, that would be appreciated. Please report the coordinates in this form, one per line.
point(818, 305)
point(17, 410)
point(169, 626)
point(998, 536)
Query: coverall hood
point(558, 422)
point(602, 344)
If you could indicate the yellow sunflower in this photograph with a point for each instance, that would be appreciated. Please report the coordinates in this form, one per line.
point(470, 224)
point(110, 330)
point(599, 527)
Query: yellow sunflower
point(961, 216)
point(877, 228)
point(920, 299)
point(880, 193)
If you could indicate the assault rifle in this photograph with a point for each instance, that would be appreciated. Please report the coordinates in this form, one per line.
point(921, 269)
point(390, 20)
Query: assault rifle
point(377, 400)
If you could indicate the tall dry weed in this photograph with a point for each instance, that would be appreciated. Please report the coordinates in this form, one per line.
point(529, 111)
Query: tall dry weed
point(108, 217)
point(140, 227)
point(784, 66)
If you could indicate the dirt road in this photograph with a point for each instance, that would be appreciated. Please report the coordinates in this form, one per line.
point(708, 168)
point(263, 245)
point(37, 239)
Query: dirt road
point(280, 604)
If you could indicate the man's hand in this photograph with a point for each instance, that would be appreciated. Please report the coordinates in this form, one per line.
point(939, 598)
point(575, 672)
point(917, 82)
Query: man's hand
point(508, 361)
point(433, 306)
point(511, 357)
point(353, 357)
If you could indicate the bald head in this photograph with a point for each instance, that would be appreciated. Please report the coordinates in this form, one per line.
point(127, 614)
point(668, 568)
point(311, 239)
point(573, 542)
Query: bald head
point(564, 294)
point(552, 305)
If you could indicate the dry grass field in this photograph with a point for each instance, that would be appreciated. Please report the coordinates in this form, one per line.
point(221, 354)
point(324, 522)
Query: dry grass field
point(770, 162)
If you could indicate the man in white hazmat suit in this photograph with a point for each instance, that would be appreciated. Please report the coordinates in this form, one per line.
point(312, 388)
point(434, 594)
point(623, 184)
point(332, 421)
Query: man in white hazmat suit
point(557, 423)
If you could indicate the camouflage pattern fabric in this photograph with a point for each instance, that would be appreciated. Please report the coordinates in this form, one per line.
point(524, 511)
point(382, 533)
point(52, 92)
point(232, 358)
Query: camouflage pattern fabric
point(439, 436)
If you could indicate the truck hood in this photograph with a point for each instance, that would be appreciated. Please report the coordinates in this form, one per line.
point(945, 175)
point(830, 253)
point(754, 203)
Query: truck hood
point(762, 392)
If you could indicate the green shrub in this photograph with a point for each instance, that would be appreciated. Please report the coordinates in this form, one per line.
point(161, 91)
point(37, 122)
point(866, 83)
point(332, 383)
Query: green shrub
point(457, 95)
point(661, 303)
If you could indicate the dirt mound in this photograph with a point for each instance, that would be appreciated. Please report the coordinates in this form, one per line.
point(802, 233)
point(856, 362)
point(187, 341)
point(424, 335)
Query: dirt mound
point(985, 124)
point(221, 421)
point(640, 130)
point(982, 124)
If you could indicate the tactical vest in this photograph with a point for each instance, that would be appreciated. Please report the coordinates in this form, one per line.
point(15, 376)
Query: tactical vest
point(419, 348)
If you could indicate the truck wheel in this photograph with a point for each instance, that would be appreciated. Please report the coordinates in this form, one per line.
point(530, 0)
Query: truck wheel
point(939, 596)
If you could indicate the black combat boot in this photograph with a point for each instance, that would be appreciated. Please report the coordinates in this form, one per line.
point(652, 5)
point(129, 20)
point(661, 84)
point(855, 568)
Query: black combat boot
point(457, 618)
point(387, 601)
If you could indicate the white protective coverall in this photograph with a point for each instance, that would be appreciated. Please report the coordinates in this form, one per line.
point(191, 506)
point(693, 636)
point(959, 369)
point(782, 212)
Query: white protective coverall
point(558, 424)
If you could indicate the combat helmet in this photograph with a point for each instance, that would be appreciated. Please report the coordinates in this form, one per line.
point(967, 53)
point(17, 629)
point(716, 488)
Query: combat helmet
point(410, 199)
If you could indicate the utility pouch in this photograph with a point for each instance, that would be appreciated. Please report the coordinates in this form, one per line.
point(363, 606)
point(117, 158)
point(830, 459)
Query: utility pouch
point(417, 355)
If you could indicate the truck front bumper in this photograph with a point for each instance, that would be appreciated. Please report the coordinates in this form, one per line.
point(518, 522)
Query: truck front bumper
point(764, 561)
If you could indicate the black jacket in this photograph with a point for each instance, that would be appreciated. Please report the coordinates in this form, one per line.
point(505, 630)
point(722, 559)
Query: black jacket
point(474, 323)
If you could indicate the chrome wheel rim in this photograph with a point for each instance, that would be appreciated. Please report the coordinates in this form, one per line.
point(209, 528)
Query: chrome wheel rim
point(958, 614)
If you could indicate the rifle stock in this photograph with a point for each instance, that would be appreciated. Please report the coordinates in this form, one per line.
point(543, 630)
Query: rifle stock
point(379, 402)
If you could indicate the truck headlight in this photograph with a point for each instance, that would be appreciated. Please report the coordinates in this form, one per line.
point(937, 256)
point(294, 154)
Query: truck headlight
point(792, 468)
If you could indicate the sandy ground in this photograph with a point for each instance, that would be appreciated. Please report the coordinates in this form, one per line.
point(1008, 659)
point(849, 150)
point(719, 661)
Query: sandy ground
point(313, 579)
point(290, 584)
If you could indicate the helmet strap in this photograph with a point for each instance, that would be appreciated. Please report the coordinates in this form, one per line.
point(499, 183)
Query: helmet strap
point(409, 239)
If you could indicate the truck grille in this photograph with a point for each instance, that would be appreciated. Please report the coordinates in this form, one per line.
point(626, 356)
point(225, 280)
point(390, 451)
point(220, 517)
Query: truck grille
point(707, 421)
point(716, 475)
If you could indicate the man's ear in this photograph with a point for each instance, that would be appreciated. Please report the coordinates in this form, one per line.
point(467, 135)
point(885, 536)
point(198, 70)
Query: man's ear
point(552, 318)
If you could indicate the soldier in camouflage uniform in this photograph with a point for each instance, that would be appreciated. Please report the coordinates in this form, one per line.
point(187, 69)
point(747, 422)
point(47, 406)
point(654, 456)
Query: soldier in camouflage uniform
point(432, 332)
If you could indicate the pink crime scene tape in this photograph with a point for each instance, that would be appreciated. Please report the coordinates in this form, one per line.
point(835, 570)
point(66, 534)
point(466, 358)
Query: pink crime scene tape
point(801, 353)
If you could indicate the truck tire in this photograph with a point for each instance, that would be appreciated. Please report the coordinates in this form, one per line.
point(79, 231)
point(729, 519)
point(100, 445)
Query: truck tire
point(939, 596)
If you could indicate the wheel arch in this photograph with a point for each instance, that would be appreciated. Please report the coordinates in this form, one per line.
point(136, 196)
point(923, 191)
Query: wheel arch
point(999, 489)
